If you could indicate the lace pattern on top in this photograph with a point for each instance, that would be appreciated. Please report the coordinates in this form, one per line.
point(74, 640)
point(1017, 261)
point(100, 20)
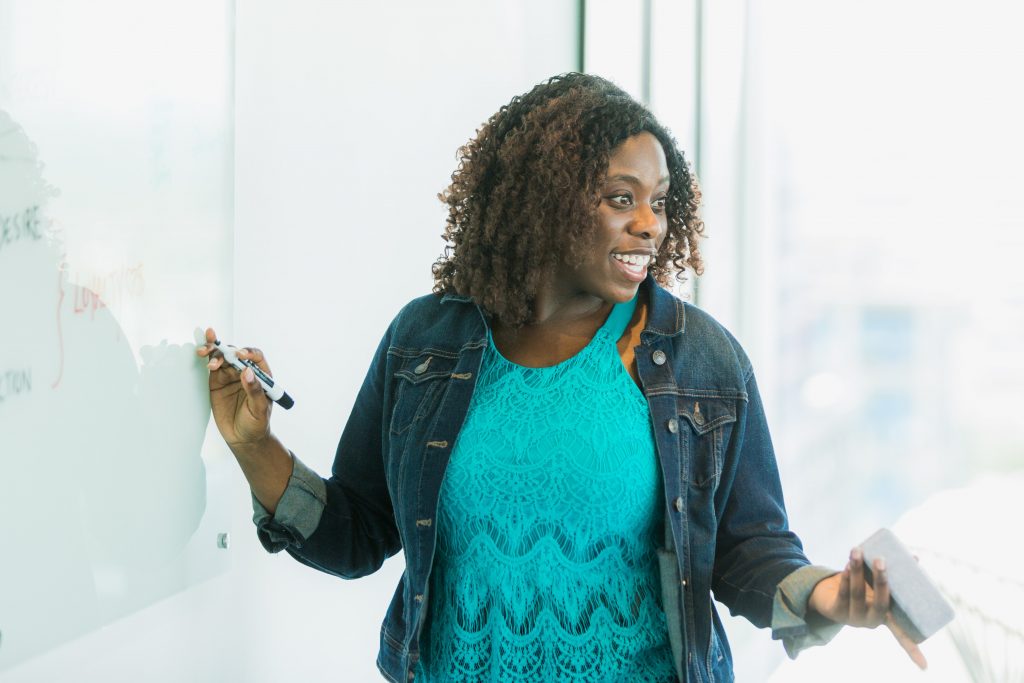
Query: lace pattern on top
point(545, 568)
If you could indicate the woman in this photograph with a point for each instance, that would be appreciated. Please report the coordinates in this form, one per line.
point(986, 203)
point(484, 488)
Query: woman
point(571, 458)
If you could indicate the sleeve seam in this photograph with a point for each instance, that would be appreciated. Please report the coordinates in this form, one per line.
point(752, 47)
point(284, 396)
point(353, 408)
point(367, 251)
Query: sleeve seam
point(748, 373)
point(742, 589)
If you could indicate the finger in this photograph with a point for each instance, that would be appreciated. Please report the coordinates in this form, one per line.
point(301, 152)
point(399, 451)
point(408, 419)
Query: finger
point(221, 372)
point(880, 603)
point(844, 589)
point(256, 400)
point(908, 645)
point(858, 604)
point(211, 338)
point(203, 349)
point(209, 347)
point(256, 356)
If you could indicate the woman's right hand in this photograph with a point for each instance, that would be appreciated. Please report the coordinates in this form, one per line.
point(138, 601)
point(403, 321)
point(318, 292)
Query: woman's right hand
point(240, 407)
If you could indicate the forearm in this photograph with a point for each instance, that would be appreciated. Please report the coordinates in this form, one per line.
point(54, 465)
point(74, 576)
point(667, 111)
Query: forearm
point(267, 466)
point(327, 526)
point(344, 525)
point(755, 548)
point(794, 619)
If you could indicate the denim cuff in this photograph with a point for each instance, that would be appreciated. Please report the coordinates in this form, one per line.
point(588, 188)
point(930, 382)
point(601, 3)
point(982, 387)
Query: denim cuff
point(298, 512)
point(790, 622)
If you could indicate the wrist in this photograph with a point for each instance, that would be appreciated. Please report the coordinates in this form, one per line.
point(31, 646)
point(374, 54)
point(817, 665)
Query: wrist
point(267, 466)
point(823, 596)
point(250, 449)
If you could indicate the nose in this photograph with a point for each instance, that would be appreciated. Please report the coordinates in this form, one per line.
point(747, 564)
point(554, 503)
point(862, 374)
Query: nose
point(645, 224)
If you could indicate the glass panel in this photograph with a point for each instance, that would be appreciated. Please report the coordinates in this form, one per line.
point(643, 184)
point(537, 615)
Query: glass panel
point(881, 227)
point(116, 209)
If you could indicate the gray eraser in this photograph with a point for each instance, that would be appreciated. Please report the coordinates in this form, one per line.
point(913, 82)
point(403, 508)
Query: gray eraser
point(917, 605)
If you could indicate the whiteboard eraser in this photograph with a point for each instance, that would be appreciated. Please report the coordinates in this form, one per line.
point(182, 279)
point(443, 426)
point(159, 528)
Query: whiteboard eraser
point(917, 605)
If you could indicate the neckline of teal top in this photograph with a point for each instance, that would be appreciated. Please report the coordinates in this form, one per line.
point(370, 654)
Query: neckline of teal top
point(613, 327)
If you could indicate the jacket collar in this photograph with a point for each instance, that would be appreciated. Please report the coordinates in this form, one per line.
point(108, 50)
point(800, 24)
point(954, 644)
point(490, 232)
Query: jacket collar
point(666, 314)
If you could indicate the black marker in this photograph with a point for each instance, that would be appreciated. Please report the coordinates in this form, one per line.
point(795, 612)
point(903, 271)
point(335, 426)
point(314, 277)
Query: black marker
point(274, 391)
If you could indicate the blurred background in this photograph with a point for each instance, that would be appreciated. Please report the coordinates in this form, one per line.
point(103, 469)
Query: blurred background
point(861, 169)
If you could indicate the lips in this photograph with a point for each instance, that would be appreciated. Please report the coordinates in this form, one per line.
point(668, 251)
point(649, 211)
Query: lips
point(630, 271)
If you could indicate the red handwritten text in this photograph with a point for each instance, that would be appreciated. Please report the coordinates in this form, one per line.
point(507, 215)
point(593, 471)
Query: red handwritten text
point(99, 290)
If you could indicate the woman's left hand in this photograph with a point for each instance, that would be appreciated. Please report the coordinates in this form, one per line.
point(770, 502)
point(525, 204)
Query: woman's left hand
point(846, 598)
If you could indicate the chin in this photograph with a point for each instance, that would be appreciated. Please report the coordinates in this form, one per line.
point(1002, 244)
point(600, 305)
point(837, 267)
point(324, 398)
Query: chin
point(620, 293)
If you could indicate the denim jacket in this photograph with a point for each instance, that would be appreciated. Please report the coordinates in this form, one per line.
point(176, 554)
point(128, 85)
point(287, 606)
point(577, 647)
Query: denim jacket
point(725, 523)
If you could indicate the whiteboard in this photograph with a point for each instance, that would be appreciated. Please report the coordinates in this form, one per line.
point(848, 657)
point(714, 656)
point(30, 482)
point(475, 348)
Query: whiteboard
point(116, 165)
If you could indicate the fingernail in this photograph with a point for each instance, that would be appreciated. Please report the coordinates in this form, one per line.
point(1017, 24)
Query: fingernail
point(248, 375)
point(856, 555)
point(880, 564)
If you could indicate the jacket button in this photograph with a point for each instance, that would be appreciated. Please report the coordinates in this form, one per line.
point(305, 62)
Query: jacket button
point(679, 507)
point(673, 425)
point(422, 367)
point(658, 357)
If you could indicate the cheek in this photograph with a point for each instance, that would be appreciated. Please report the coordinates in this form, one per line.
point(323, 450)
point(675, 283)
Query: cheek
point(664, 230)
point(610, 227)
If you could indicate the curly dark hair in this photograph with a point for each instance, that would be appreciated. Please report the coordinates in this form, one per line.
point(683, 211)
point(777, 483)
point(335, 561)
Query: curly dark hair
point(525, 195)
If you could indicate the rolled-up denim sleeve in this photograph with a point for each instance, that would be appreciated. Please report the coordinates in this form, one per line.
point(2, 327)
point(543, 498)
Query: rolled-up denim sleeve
point(790, 622)
point(298, 512)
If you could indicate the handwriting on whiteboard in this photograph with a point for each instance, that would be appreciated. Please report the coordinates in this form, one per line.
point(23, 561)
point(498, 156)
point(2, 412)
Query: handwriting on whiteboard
point(14, 383)
point(98, 290)
point(21, 226)
point(91, 293)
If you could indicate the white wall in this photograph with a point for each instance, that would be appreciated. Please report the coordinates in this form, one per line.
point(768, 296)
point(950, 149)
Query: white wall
point(348, 117)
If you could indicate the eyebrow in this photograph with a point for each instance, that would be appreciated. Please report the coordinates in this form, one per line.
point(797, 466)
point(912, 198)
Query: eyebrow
point(633, 179)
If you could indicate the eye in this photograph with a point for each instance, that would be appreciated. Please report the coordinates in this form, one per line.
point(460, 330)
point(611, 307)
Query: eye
point(620, 199)
point(659, 204)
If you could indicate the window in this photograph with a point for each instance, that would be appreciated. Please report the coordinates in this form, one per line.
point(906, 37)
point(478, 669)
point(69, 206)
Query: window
point(861, 167)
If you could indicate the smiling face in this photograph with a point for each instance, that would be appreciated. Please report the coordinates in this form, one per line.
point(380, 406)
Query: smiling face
point(632, 223)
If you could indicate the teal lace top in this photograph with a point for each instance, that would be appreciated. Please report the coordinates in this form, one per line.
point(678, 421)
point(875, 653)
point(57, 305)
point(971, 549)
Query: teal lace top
point(545, 568)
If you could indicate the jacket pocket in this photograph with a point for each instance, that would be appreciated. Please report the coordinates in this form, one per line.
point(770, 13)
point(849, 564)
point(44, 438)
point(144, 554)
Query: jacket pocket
point(719, 662)
point(420, 381)
point(708, 424)
point(719, 658)
point(394, 628)
point(391, 657)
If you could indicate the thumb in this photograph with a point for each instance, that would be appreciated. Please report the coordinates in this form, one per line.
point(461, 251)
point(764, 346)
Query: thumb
point(253, 390)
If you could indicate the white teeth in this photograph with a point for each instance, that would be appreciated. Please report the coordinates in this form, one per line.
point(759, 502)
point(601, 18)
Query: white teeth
point(633, 259)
